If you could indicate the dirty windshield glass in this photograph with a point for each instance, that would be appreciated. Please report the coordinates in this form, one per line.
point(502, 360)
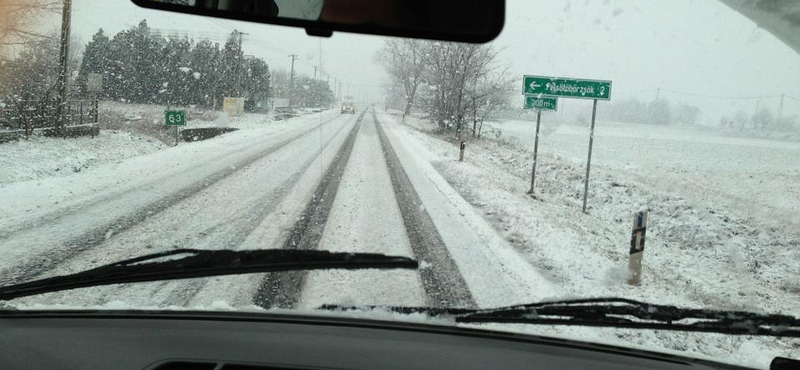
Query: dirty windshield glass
point(636, 149)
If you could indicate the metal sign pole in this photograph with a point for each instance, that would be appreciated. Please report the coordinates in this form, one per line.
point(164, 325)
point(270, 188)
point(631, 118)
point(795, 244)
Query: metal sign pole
point(589, 160)
point(535, 150)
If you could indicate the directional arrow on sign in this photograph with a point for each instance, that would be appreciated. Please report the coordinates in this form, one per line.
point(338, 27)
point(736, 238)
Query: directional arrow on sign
point(534, 85)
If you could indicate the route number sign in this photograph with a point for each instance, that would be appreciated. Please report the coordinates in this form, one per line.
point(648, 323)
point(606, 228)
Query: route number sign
point(566, 87)
point(175, 118)
point(543, 103)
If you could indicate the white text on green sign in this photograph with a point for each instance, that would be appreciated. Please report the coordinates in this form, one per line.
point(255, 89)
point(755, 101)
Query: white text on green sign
point(543, 103)
point(566, 87)
point(175, 118)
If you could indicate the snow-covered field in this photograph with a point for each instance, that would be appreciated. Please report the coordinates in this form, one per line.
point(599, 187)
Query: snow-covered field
point(756, 177)
point(705, 248)
point(42, 157)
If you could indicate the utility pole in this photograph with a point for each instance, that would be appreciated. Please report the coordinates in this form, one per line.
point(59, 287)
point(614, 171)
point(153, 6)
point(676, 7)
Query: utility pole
point(291, 81)
point(319, 52)
point(315, 73)
point(780, 109)
point(63, 57)
point(240, 65)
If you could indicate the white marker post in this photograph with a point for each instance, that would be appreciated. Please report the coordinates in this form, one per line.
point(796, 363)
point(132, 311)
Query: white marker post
point(637, 247)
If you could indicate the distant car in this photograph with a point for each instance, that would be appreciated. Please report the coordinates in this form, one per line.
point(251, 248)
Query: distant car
point(282, 113)
point(348, 108)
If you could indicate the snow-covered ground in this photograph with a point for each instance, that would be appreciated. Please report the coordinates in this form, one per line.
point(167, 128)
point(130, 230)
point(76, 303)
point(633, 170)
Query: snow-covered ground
point(42, 157)
point(756, 177)
point(704, 249)
point(249, 188)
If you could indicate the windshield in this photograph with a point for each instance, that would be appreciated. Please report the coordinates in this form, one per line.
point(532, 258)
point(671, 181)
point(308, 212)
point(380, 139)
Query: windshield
point(632, 149)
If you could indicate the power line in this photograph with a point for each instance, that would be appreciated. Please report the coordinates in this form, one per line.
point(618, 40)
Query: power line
point(721, 96)
point(634, 91)
point(218, 24)
point(269, 45)
point(704, 95)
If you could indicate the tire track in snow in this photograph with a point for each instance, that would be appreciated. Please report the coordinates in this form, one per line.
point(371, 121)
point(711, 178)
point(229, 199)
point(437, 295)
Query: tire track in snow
point(42, 262)
point(251, 217)
point(440, 276)
point(284, 289)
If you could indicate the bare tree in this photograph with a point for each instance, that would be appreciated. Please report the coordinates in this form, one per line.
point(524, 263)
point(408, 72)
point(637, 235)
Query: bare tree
point(404, 60)
point(490, 93)
point(452, 82)
point(460, 78)
point(19, 20)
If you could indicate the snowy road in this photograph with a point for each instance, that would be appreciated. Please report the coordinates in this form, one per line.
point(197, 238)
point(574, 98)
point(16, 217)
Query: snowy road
point(329, 181)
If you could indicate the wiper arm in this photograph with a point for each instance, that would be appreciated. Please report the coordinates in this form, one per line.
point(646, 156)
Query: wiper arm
point(619, 313)
point(192, 263)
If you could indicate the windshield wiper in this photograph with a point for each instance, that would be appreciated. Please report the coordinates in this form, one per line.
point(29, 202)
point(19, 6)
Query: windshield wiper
point(617, 313)
point(193, 263)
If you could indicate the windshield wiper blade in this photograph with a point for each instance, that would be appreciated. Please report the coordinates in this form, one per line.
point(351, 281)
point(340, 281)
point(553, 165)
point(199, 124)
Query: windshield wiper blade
point(615, 313)
point(193, 263)
point(631, 314)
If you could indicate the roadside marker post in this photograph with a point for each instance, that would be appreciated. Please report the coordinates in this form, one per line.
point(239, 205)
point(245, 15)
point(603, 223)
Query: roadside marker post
point(637, 247)
point(540, 104)
point(543, 87)
point(461, 152)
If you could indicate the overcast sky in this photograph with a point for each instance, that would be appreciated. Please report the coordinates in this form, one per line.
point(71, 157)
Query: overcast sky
point(694, 46)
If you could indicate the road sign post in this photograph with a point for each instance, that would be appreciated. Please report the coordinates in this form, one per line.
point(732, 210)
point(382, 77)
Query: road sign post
point(535, 151)
point(637, 247)
point(589, 160)
point(575, 88)
point(540, 104)
point(175, 118)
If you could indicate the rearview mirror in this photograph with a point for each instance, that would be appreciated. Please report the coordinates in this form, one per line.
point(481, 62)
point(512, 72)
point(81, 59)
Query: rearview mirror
point(475, 21)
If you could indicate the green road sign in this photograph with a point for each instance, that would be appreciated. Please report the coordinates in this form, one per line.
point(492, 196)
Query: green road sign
point(175, 118)
point(543, 103)
point(566, 87)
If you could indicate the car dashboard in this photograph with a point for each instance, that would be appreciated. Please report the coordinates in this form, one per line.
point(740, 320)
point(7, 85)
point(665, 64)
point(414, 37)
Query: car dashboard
point(237, 341)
